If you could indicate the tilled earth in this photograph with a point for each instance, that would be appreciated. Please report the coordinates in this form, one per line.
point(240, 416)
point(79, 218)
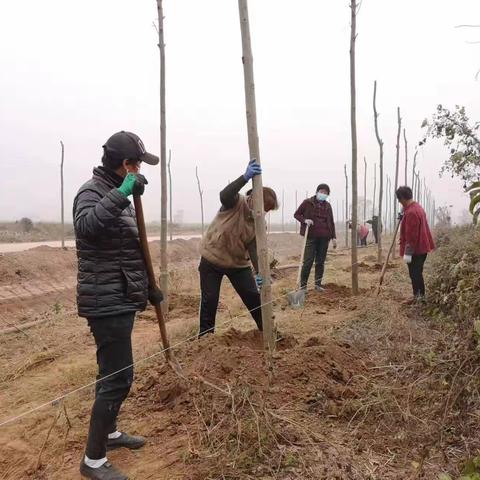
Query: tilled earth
point(353, 390)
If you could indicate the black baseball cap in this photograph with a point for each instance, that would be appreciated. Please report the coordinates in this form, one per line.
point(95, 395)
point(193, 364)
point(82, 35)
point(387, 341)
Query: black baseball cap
point(126, 145)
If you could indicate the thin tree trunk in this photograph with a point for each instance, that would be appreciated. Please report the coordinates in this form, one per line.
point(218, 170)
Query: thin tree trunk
point(406, 156)
point(413, 170)
point(365, 191)
point(346, 206)
point(163, 162)
point(170, 203)
point(353, 122)
point(200, 192)
point(397, 164)
point(380, 192)
point(254, 148)
point(374, 188)
point(61, 196)
point(283, 210)
point(296, 206)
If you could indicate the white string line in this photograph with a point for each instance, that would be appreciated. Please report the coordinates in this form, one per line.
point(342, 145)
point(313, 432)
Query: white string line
point(83, 387)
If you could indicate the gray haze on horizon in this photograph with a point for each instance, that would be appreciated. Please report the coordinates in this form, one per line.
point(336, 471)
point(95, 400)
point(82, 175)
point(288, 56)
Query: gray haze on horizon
point(80, 72)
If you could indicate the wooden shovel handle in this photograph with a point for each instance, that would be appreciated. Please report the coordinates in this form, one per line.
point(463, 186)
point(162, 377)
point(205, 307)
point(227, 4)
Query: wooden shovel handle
point(137, 201)
point(384, 269)
point(302, 256)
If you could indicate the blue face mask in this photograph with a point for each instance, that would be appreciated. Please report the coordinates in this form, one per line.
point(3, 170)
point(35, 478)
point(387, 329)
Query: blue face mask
point(322, 197)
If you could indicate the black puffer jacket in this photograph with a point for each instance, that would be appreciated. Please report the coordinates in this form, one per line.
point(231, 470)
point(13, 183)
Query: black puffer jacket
point(111, 271)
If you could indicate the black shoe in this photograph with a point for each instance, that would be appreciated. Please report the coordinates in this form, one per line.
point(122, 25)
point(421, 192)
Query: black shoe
point(125, 440)
point(106, 472)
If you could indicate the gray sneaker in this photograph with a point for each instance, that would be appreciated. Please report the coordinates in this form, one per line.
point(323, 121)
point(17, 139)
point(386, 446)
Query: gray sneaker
point(132, 442)
point(319, 288)
point(106, 472)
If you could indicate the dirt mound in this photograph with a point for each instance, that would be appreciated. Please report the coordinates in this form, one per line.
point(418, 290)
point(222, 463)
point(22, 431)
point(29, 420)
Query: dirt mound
point(179, 250)
point(369, 267)
point(232, 407)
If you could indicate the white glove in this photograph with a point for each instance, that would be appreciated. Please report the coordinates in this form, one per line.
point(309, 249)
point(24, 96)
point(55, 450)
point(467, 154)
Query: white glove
point(407, 258)
point(334, 243)
point(309, 222)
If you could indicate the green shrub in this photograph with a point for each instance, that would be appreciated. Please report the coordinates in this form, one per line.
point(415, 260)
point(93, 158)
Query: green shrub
point(454, 285)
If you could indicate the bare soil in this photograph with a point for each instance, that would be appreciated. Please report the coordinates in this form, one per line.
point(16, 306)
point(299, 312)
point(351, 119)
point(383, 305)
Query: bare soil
point(359, 387)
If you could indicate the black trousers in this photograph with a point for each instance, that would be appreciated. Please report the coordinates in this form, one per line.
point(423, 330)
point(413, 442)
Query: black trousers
point(375, 234)
point(315, 250)
point(113, 337)
point(415, 269)
point(210, 281)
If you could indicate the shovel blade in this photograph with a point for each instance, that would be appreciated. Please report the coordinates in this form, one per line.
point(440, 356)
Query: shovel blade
point(296, 299)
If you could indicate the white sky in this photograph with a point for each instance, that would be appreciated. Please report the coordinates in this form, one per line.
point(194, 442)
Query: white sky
point(80, 71)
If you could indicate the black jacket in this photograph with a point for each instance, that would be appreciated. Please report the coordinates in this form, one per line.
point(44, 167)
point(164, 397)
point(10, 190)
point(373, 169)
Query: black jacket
point(111, 271)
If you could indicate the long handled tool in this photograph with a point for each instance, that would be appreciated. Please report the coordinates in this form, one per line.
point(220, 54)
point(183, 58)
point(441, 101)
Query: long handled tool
point(385, 264)
point(171, 360)
point(296, 299)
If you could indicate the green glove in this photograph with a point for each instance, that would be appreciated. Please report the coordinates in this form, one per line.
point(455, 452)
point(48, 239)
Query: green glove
point(133, 184)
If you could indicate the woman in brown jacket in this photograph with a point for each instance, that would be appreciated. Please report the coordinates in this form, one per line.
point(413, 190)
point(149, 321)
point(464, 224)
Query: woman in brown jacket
point(229, 248)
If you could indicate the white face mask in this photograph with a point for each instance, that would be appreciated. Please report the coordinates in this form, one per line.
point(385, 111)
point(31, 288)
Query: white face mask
point(322, 197)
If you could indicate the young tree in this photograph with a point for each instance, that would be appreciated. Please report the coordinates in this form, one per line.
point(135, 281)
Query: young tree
point(406, 156)
point(397, 164)
point(170, 203)
point(365, 190)
point(461, 137)
point(163, 161)
point(353, 125)
point(61, 195)
point(380, 192)
point(283, 210)
point(296, 206)
point(200, 193)
point(374, 188)
point(413, 169)
point(254, 149)
point(346, 206)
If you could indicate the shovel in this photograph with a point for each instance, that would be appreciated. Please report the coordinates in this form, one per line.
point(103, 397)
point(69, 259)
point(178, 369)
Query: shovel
point(296, 299)
point(171, 360)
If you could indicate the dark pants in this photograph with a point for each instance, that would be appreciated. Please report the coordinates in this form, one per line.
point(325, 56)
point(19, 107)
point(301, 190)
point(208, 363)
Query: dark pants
point(210, 281)
point(315, 250)
point(363, 241)
point(375, 234)
point(113, 336)
point(415, 268)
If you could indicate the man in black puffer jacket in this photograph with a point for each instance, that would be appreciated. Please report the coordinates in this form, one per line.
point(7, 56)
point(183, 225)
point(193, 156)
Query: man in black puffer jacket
point(112, 287)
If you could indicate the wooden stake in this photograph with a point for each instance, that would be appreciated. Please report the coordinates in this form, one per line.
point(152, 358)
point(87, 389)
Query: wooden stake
point(163, 161)
point(353, 125)
point(170, 204)
point(380, 192)
point(254, 148)
point(61, 196)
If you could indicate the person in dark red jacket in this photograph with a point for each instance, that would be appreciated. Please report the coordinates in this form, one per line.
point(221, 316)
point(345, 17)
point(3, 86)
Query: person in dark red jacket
point(416, 240)
point(317, 213)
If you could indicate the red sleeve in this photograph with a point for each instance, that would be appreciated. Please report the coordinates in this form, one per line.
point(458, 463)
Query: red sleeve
point(411, 233)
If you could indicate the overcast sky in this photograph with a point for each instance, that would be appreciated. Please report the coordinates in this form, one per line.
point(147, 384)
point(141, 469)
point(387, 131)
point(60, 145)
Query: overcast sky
point(80, 71)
